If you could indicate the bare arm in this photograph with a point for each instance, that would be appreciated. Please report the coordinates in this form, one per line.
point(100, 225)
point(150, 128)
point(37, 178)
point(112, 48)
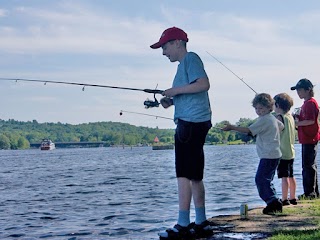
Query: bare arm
point(229, 127)
point(280, 122)
point(200, 85)
point(304, 123)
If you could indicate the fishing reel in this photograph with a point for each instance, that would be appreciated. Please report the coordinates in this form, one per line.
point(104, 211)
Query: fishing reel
point(150, 104)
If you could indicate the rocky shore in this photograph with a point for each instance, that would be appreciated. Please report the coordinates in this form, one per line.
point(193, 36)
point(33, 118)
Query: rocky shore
point(261, 226)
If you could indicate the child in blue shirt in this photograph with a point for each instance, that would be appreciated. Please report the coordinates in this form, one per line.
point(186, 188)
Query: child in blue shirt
point(189, 95)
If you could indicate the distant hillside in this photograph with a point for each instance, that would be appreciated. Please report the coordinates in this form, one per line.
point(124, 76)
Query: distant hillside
point(18, 135)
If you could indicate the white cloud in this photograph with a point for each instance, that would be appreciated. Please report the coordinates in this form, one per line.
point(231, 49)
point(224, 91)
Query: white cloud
point(72, 41)
point(73, 30)
point(3, 12)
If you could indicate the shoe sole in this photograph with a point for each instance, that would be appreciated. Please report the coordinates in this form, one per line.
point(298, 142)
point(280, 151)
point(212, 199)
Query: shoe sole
point(272, 213)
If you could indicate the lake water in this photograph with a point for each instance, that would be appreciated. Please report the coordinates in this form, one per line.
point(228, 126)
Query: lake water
point(116, 193)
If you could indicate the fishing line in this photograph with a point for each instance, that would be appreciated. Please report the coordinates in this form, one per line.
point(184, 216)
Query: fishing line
point(241, 79)
point(156, 116)
point(150, 115)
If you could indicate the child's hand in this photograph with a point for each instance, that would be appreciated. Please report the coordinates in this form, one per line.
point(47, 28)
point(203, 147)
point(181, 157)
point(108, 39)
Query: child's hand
point(169, 93)
point(166, 102)
point(227, 127)
point(295, 117)
point(296, 121)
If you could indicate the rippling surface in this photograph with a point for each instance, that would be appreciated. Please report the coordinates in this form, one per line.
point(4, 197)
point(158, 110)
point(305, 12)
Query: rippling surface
point(115, 193)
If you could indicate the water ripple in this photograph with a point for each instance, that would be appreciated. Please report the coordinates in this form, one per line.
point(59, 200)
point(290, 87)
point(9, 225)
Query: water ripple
point(115, 193)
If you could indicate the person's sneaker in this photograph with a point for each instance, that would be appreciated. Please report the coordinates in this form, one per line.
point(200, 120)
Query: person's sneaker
point(307, 196)
point(176, 233)
point(273, 207)
point(285, 202)
point(202, 230)
point(293, 201)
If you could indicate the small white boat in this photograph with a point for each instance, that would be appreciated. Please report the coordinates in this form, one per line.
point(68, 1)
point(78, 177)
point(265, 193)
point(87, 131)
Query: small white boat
point(47, 144)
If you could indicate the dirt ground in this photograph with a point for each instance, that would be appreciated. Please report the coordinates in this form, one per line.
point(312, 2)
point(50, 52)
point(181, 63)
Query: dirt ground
point(260, 226)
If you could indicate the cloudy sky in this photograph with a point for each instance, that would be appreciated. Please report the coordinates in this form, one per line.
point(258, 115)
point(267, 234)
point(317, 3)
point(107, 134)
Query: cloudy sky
point(270, 44)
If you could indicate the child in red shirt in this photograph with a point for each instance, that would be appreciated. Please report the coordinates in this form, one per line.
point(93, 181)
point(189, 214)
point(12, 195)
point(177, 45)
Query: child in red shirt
point(308, 133)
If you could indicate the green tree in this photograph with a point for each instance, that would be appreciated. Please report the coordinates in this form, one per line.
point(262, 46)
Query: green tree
point(244, 122)
point(13, 140)
point(4, 142)
point(23, 143)
point(216, 137)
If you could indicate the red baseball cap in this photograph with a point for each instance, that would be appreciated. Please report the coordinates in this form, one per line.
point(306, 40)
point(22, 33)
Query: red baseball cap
point(170, 34)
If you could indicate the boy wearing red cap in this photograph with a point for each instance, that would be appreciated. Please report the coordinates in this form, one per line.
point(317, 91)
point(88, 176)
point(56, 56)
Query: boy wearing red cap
point(189, 95)
point(308, 134)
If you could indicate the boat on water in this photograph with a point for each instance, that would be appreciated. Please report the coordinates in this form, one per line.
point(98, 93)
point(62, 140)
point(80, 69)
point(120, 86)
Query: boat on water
point(47, 144)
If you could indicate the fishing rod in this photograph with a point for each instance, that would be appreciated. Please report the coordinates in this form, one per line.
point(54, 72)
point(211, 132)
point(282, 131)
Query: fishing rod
point(148, 103)
point(156, 116)
point(150, 115)
point(241, 79)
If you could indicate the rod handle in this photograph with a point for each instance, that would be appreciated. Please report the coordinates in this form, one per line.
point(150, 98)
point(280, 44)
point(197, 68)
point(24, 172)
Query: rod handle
point(155, 91)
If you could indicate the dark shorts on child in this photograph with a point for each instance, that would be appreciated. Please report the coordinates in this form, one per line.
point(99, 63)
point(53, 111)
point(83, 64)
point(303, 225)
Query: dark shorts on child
point(189, 140)
point(285, 168)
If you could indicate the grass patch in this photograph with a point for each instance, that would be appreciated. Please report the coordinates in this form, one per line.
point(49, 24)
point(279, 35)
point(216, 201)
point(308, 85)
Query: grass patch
point(312, 209)
point(296, 235)
point(237, 142)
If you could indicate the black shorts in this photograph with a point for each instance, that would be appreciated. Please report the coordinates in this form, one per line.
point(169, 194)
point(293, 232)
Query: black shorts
point(189, 141)
point(285, 168)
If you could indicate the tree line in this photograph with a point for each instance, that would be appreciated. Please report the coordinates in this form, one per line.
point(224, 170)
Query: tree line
point(19, 135)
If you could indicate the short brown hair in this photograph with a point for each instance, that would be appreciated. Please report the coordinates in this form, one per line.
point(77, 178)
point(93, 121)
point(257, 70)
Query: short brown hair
point(264, 99)
point(283, 101)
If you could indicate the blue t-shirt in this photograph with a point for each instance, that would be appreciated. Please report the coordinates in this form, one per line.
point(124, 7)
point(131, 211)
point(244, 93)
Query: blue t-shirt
point(192, 107)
